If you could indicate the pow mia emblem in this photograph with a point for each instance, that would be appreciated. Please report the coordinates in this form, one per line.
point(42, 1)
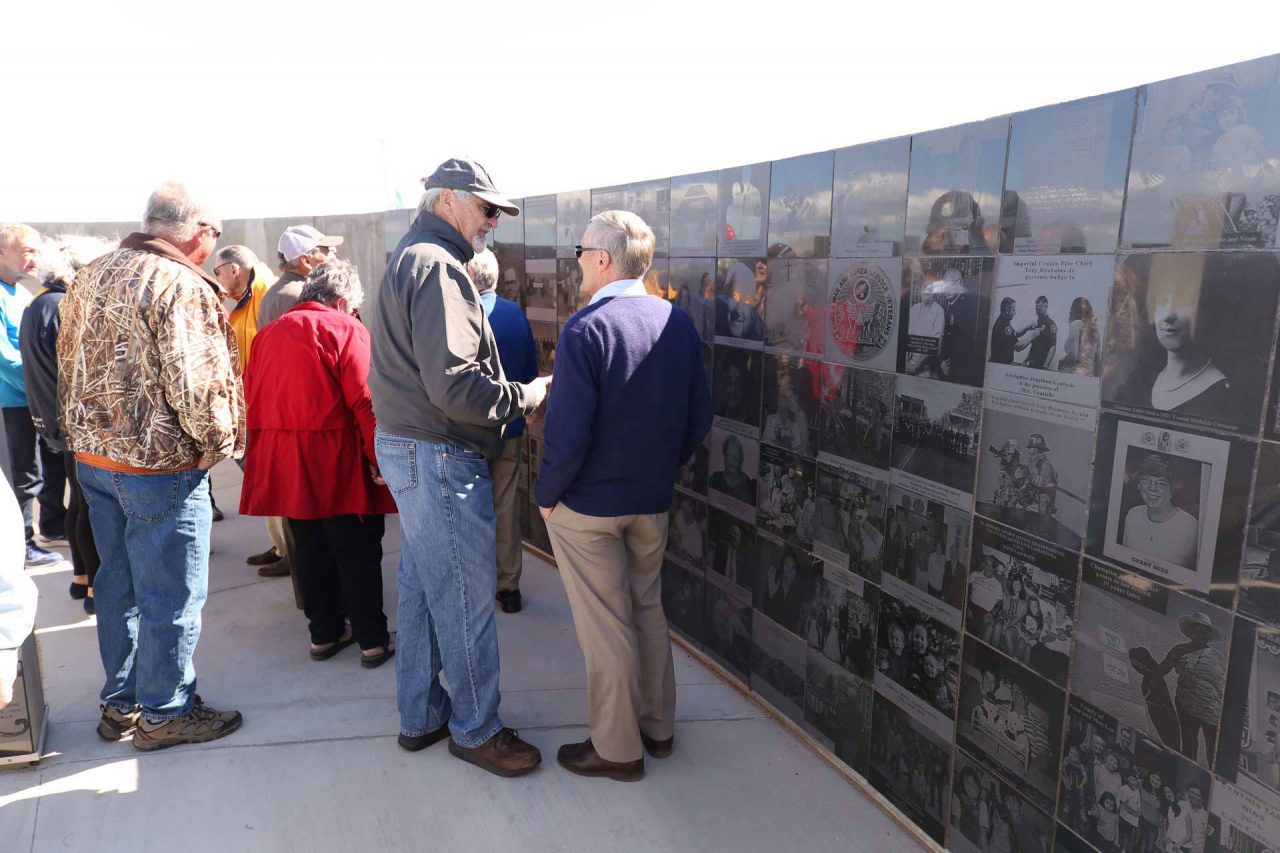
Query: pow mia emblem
point(862, 312)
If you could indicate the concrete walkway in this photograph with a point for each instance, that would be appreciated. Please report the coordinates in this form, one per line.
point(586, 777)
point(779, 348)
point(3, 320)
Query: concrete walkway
point(316, 766)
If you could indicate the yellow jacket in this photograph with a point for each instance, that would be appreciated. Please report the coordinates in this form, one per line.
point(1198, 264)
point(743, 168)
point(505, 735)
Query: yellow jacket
point(244, 317)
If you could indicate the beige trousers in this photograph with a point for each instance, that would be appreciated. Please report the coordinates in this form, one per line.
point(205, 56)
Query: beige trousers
point(612, 572)
point(503, 471)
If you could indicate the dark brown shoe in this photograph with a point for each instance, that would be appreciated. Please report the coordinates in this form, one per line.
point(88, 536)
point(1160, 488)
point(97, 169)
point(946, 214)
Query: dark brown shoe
point(414, 743)
point(267, 557)
point(278, 569)
point(657, 748)
point(581, 758)
point(504, 754)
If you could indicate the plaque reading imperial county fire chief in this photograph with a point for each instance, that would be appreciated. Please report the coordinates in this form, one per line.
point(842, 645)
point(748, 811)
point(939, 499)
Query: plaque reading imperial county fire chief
point(1049, 320)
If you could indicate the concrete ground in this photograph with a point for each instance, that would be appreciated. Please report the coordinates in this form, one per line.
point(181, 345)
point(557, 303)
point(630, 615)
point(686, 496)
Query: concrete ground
point(316, 766)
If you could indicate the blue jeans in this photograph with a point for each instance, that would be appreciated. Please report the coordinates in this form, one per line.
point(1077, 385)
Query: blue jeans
point(152, 533)
point(447, 583)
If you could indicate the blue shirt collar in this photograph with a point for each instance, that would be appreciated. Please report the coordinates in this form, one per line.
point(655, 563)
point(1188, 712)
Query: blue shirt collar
point(488, 299)
point(623, 287)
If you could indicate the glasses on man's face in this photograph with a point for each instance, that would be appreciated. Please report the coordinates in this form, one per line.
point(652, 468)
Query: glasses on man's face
point(222, 267)
point(489, 209)
point(213, 229)
point(578, 250)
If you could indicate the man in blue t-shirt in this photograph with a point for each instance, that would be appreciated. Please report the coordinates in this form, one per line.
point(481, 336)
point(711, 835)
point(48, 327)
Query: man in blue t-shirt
point(630, 406)
point(519, 360)
point(19, 254)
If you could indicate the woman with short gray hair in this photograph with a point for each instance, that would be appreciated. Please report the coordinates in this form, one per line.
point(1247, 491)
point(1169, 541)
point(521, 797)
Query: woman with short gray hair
point(311, 428)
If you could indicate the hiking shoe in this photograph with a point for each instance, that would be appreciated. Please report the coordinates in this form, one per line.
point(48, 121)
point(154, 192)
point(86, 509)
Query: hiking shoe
point(504, 754)
point(52, 539)
point(116, 724)
point(201, 723)
point(509, 600)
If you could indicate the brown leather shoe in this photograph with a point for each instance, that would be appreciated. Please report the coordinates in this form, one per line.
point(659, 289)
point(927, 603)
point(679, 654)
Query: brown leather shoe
point(278, 569)
point(265, 558)
point(581, 758)
point(504, 754)
point(657, 748)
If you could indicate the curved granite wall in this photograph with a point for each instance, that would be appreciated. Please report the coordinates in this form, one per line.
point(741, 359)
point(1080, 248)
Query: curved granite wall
point(991, 505)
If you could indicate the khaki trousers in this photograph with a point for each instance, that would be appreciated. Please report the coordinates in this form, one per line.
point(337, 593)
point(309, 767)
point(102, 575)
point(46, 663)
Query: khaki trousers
point(503, 471)
point(612, 572)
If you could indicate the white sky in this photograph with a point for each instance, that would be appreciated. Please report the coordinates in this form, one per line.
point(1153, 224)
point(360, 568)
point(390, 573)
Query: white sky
point(320, 108)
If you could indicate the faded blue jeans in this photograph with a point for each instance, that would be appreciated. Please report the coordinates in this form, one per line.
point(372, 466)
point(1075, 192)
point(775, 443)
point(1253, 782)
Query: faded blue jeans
point(447, 583)
point(152, 533)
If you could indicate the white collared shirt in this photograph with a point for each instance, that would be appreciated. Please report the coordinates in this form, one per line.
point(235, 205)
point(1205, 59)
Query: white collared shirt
point(623, 287)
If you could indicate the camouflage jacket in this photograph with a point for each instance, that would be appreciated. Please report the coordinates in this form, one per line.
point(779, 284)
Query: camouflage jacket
point(148, 362)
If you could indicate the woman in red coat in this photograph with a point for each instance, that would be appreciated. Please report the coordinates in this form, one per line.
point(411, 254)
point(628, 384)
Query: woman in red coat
point(311, 429)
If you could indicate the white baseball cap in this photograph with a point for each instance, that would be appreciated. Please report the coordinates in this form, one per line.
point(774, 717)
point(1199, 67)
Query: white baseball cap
point(297, 240)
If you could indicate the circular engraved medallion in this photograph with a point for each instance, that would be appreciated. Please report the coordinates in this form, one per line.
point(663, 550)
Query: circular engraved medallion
point(862, 310)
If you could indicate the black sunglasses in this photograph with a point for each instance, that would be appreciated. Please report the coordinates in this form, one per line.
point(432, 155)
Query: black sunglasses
point(217, 232)
point(578, 250)
point(489, 209)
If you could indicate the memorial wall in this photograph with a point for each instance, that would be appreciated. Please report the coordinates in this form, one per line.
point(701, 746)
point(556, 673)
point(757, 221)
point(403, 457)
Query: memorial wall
point(991, 502)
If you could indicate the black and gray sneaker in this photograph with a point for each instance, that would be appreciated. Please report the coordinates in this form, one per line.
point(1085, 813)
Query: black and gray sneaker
point(201, 723)
point(116, 724)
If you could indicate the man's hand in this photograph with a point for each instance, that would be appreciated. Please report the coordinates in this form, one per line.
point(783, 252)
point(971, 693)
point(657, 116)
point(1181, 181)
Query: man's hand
point(541, 387)
point(376, 475)
point(546, 511)
point(8, 674)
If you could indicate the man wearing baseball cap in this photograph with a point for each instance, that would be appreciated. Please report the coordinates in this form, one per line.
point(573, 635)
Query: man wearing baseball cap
point(441, 399)
point(300, 250)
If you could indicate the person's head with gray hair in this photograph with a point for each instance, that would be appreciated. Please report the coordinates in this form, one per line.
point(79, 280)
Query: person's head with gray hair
point(233, 267)
point(616, 245)
point(19, 252)
point(335, 284)
point(66, 254)
point(483, 270)
point(461, 193)
point(176, 217)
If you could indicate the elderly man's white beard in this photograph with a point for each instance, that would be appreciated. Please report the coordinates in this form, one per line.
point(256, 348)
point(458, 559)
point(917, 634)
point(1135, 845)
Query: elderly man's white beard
point(479, 243)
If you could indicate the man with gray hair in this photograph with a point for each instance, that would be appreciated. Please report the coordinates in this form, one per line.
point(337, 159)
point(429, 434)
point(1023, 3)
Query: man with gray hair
point(519, 361)
point(631, 407)
point(19, 258)
point(150, 400)
point(441, 399)
point(301, 249)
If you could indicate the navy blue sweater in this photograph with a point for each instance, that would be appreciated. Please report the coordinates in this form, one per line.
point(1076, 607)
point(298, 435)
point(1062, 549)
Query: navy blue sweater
point(629, 405)
point(516, 350)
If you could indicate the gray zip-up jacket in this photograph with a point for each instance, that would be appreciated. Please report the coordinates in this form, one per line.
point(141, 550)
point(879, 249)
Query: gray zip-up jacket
point(435, 373)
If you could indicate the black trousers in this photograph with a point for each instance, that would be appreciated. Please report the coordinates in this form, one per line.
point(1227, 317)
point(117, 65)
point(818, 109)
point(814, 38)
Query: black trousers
point(23, 463)
point(53, 470)
point(340, 559)
point(84, 554)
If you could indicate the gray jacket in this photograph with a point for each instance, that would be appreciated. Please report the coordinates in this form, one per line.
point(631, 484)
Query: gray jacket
point(435, 373)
